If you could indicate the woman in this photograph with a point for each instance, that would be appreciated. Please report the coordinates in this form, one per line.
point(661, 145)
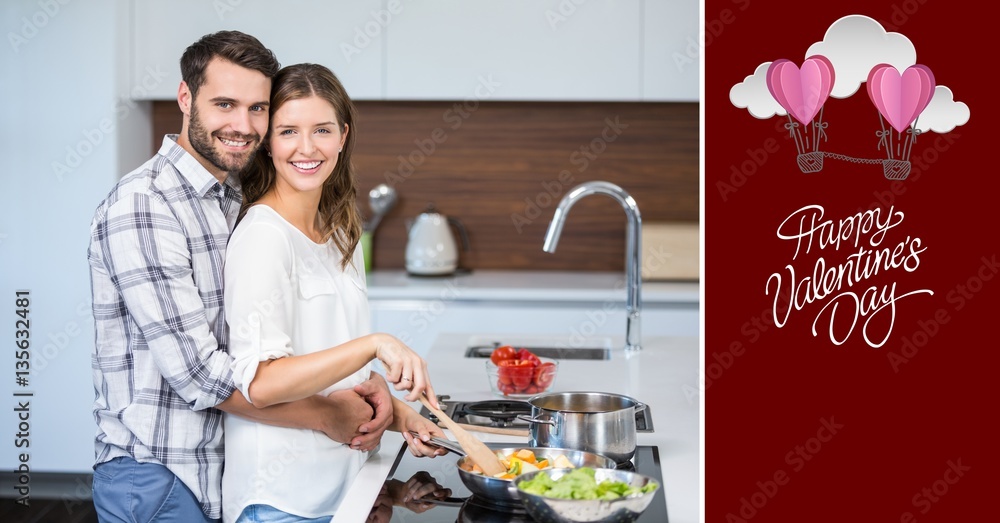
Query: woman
point(296, 305)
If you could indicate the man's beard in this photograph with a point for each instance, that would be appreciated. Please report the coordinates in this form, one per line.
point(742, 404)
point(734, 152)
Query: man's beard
point(204, 144)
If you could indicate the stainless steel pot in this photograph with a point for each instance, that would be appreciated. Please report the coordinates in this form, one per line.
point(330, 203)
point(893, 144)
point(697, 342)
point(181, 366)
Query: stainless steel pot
point(596, 422)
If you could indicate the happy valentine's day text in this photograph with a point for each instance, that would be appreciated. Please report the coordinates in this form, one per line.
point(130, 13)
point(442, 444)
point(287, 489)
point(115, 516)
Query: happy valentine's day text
point(840, 285)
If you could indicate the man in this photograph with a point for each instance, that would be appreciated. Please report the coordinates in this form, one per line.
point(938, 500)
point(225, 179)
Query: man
point(160, 365)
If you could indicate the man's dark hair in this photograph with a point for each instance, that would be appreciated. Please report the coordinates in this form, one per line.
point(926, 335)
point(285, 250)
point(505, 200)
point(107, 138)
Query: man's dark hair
point(233, 46)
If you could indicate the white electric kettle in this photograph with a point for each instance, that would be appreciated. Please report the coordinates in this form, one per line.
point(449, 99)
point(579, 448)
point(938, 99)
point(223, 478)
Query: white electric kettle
point(431, 249)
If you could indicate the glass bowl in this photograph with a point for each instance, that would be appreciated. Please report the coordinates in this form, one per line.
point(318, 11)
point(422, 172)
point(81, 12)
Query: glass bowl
point(522, 383)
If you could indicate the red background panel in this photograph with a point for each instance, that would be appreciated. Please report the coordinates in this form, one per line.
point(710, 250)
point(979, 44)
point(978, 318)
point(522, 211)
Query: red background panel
point(799, 428)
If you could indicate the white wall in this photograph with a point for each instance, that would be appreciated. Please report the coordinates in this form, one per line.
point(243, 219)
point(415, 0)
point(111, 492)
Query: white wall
point(61, 144)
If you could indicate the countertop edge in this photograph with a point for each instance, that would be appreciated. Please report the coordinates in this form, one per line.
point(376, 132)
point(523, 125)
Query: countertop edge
point(525, 286)
point(360, 497)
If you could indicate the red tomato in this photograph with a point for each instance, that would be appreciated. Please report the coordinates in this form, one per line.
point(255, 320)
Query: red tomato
point(504, 375)
point(526, 355)
point(503, 353)
point(517, 372)
point(543, 375)
point(506, 388)
point(532, 389)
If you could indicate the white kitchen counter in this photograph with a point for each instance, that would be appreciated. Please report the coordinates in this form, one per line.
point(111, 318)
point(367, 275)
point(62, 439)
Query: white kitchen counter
point(663, 375)
point(524, 286)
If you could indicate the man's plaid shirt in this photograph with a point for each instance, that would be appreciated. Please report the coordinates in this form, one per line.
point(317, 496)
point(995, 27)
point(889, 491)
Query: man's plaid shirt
point(160, 363)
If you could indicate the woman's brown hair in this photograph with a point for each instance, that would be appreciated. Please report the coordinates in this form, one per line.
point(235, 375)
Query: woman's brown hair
point(338, 210)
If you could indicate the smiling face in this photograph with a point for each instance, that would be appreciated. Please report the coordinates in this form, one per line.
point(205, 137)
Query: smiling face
point(305, 142)
point(224, 123)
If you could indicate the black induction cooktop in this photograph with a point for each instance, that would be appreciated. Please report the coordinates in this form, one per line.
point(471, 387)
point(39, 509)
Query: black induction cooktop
point(456, 503)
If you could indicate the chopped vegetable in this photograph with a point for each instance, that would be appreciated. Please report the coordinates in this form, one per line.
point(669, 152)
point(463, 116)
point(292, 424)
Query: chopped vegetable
point(581, 484)
point(562, 462)
point(526, 455)
point(522, 461)
point(503, 353)
point(519, 371)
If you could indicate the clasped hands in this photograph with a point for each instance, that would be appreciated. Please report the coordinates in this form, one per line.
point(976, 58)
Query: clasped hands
point(369, 406)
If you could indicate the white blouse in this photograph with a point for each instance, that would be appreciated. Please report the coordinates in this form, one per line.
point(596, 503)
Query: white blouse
point(287, 295)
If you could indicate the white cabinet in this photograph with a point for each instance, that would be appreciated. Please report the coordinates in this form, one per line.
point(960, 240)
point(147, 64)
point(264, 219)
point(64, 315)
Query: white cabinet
point(672, 50)
point(515, 50)
point(347, 37)
point(587, 50)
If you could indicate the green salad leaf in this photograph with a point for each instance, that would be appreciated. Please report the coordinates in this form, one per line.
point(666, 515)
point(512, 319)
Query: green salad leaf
point(580, 483)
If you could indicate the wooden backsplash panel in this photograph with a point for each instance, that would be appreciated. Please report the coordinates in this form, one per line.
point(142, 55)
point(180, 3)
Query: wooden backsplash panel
point(501, 168)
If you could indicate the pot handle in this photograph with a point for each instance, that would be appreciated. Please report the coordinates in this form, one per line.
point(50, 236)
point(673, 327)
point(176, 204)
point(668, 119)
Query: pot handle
point(446, 444)
point(640, 406)
point(444, 502)
point(529, 419)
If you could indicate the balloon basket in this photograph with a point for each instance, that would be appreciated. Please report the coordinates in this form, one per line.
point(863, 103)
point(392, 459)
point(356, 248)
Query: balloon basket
point(811, 162)
point(896, 169)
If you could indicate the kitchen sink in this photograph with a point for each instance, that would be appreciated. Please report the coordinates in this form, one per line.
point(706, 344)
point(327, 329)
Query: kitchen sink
point(558, 353)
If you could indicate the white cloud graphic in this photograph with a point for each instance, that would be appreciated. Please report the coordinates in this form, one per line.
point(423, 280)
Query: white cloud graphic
point(854, 45)
point(752, 94)
point(943, 113)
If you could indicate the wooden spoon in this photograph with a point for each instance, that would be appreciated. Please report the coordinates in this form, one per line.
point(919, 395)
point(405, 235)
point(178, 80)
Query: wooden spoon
point(476, 450)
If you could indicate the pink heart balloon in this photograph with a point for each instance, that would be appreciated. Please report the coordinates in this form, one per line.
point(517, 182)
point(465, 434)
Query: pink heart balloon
point(801, 92)
point(900, 98)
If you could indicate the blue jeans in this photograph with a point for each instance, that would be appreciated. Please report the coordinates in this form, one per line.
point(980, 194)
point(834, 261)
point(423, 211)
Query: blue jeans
point(269, 514)
point(127, 491)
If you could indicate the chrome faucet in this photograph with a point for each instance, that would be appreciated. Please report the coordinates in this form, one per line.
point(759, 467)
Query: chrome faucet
point(633, 247)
